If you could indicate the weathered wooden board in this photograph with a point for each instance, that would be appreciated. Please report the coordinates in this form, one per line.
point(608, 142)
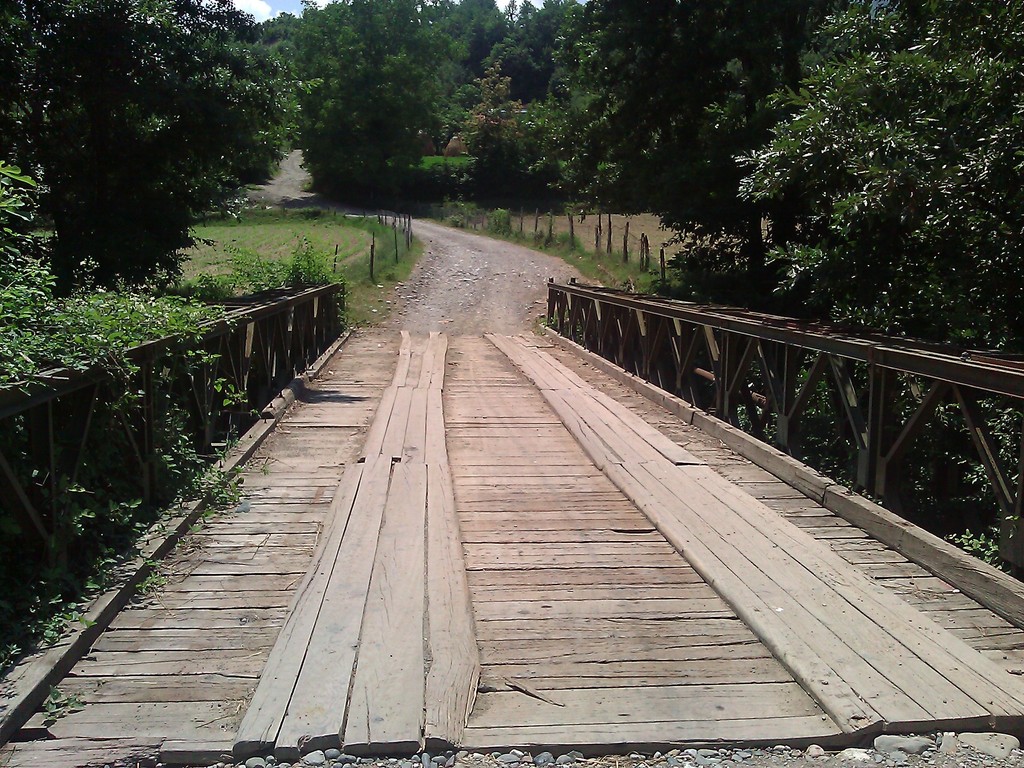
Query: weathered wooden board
point(80, 753)
point(454, 666)
point(261, 725)
point(386, 705)
point(319, 665)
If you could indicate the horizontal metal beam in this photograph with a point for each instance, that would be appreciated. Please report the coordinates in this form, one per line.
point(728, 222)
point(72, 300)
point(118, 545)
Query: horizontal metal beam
point(983, 370)
point(55, 383)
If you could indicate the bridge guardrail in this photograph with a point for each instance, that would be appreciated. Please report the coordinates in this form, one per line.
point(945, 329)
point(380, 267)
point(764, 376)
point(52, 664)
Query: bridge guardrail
point(239, 364)
point(761, 373)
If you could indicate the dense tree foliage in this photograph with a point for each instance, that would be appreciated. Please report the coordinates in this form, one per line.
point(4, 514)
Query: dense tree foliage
point(905, 154)
point(666, 95)
point(369, 70)
point(527, 54)
point(136, 115)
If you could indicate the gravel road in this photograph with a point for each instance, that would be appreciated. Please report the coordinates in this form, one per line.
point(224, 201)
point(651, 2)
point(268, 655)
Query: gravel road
point(467, 284)
point(463, 283)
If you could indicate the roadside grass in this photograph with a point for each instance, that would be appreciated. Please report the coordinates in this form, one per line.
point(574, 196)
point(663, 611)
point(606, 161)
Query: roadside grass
point(276, 235)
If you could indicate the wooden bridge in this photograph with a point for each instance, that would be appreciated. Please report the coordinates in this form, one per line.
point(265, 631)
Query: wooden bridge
point(494, 542)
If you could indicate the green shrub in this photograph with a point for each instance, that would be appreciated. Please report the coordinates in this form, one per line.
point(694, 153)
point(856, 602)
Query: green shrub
point(500, 222)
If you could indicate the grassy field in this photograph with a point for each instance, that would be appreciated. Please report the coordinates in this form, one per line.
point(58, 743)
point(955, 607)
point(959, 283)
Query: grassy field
point(276, 235)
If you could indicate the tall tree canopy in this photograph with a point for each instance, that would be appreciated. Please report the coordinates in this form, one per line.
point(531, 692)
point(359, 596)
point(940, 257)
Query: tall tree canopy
point(905, 154)
point(370, 83)
point(136, 115)
point(667, 94)
point(527, 54)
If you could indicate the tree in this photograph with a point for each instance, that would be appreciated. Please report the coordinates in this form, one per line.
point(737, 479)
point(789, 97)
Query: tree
point(665, 96)
point(527, 54)
point(370, 74)
point(136, 115)
point(904, 151)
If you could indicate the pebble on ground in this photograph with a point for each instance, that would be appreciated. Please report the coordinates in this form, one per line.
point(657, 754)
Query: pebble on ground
point(942, 750)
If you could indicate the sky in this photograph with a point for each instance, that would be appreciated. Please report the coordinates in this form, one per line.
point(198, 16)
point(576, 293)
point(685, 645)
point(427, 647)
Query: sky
point(265, 9)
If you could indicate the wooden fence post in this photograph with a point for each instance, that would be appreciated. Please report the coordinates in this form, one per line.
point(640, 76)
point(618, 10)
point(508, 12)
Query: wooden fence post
point(572, 233)
point(609, 234)
point(625, 244)
point(663, 265)
point(536, 221)
point(394, 228)
point(373, 247)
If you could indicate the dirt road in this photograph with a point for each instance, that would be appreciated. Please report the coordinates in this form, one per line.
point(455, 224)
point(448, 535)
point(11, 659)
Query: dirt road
point(463, 284)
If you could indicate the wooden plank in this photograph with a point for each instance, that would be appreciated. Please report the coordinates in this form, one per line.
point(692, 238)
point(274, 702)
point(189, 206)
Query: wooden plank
point(609, 555)
point(315, 691)
point(631, 673)
point(886, 652)
point(589, 706)
point(649, 737)
point(604, 650)
point(387, 695)
point(186, 719)
point(698, 607)
point(525, 534)
point(262, 721)
point(237, 599)
point(238, 663)
point(401, 378)
point(195, 639)
point(81, 753)
point(393, 444)
point(436, 447)
point(379, 426)
point(588, 592)
point(597, 409)
point(669, 632)
point(200, 618)
point(454, 658)
point(941, 698)
point(127, 688)
point(636, 575)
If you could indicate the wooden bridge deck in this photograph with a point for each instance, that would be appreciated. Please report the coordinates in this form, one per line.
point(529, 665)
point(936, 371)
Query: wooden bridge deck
point(484, 543)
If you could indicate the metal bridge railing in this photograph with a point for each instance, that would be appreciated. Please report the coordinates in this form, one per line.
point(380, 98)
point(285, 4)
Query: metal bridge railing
point(762, 372)
point(219, 382)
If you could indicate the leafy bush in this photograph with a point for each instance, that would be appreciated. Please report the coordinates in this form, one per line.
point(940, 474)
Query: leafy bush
point(98, 510)
point(500, 222)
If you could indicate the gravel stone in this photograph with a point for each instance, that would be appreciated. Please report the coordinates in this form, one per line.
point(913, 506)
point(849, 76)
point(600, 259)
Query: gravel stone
point(997, 745)
point(255, 762)
point(856, 755)
point(315, 758)
point(815, 751)
point(911, 745)
point(544, 758)
point(332, 754)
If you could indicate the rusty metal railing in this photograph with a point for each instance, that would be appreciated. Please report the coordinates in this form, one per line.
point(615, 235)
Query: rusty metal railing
point(233, 368)
point(766, 374)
